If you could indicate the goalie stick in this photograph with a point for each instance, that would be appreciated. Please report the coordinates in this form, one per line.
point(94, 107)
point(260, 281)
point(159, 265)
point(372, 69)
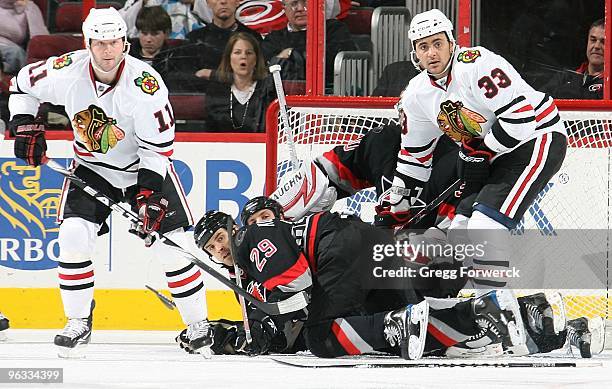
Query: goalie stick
point(294, 303)
point(282, 104)
point(393, 363)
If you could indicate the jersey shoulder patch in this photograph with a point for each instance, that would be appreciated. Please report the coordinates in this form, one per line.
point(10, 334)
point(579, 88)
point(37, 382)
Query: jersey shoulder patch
point(468, 56)
point(147, 83)
point(62, 61)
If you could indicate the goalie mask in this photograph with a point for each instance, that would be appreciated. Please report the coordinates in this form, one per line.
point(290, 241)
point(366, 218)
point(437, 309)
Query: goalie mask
point(208, 225)
point(258, 203)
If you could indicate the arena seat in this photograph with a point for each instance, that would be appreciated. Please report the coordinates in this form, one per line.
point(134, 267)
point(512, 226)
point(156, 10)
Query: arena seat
point(41, 47)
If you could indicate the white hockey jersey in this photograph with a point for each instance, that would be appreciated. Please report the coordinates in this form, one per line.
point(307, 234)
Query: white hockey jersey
point(483, 96)
point(118, 129)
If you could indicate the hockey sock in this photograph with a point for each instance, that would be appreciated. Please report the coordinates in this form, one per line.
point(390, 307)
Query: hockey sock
point(76, 282)
point(187, 289)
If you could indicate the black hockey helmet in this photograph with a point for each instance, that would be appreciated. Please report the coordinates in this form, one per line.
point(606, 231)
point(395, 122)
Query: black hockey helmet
point(208, 225)
point(257, 204)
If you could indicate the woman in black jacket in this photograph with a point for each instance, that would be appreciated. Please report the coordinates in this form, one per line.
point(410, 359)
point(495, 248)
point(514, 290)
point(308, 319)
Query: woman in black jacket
point(238, 102)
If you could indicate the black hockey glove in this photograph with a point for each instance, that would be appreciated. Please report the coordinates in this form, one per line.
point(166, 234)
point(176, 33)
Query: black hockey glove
point(474, 161)
point(30, 144)
point(263, 331)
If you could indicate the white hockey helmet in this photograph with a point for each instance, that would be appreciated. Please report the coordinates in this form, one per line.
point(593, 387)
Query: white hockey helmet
point(430, 23)
point(104, 24)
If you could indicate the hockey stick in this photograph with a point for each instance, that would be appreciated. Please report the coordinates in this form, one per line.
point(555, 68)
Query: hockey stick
point(233, 250)
point(282, 103)
point(432, 204)
point(294, 303)
point(425, 363)
point(165, 300)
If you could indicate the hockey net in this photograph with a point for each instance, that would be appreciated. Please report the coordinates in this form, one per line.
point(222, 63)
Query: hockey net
point(578, 197)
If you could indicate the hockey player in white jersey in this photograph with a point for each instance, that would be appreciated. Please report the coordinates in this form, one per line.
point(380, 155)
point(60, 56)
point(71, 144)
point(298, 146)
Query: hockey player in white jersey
point(123, 137)
point(511, 137)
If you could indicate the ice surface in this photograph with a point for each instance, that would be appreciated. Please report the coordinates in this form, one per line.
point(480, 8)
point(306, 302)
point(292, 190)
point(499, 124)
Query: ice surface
point(151, 359)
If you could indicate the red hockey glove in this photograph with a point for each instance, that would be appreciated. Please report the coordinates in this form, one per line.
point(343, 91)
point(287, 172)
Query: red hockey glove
point(30, 144)
point(473, 164)
point(387, 219)
point(151, 209)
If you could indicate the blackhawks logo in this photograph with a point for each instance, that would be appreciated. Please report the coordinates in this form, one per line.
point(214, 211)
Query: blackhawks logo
point(147, 83)
point(97, 131)
point(468, 56)
point(62, 61)
point(459, 122)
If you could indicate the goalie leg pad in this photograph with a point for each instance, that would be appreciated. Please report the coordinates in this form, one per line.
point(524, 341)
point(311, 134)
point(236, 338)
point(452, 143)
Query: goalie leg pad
point(305, 191)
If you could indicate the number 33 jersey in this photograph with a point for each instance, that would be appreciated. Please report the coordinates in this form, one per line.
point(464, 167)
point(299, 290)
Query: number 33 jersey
point(484, 97)
point(118, 128)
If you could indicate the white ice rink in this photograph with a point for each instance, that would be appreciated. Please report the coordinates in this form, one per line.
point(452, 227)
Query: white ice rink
point(138, 359)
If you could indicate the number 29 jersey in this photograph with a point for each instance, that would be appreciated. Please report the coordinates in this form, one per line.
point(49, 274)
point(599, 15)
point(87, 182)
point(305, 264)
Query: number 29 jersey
point(118, 128)
point(482, 97)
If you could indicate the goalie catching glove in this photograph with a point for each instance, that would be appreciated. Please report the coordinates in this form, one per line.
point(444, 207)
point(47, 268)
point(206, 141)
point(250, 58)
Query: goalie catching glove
point(152, 208)
point(30, 144)
point(395, 205)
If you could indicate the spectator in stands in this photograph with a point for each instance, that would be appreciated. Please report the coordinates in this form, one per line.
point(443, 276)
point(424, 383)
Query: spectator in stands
point(287, 46)
point(211, 41)
point(21, 19)
point(184, 15)
point(394, 78)
point(586, 82)
point(238, 102)
point(153, 24)
point(4, 112)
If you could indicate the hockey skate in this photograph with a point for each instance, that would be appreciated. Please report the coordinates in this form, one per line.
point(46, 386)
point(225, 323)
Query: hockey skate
point(4, 324)
point(495, 323)
point(588, 335)
point(544, 321)
point(75, 336)
point(406, 328)
point(498, 315)
point(197, 338)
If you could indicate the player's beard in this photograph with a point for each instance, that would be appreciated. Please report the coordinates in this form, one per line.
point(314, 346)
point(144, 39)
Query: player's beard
point(98, 68)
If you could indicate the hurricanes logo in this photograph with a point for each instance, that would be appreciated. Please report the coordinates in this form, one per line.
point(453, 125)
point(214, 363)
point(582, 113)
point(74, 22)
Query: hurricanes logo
point(468, 56)
point(459, 122)
point(147, 83)
point(98, 132)
point(62, 61)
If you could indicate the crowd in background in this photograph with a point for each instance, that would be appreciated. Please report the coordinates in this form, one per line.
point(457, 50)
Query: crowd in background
point(200, 47)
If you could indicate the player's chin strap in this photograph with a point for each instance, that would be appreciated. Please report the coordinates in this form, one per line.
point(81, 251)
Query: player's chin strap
point(294, 303)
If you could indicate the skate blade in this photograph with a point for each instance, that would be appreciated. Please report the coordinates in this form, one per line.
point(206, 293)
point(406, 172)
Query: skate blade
point(3, 337)
point(206, 352)
point(419, 315)
point(489, 351)
point(78, 352)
